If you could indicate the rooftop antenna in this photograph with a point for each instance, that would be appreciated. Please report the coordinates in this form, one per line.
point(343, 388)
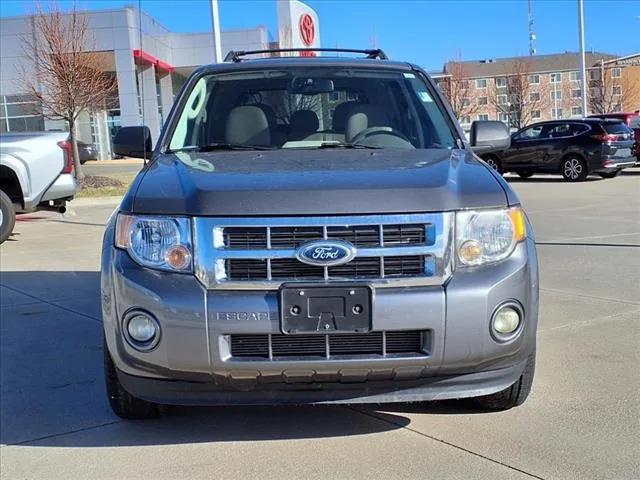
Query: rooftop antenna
point(532, 34)
point(374, 40)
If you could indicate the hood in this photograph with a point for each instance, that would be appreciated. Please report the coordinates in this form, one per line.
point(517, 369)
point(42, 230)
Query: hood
point(315, 182)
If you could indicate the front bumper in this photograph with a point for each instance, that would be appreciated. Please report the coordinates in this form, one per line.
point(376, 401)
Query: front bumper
point(192, 363)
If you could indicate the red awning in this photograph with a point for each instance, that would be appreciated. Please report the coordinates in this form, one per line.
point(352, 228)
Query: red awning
point(141, 58)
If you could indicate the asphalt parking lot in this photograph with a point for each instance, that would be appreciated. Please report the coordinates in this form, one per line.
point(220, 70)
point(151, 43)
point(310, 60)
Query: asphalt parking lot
point(581, 421)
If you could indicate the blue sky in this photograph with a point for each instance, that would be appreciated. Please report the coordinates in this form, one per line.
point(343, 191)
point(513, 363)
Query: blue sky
point(424, 32)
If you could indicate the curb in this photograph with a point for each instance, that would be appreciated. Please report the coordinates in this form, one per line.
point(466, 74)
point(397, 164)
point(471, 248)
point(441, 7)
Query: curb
point(93, 201)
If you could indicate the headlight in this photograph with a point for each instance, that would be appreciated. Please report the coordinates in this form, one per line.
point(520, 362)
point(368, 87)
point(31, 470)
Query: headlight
point(485, 236)
point(156, 242)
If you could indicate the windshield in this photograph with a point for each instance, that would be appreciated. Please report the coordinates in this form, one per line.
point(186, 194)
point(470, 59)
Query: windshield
point(310, 108)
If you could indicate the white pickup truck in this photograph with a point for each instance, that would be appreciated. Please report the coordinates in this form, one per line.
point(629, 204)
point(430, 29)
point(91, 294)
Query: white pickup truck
point(36, 173)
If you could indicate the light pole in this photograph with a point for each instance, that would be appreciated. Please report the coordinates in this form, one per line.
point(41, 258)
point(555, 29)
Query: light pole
point(583, 72)
point(215, 31)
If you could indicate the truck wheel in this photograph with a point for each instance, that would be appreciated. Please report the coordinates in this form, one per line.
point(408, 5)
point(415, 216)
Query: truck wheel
point(513, 396)
point(7, 216)
point(574, 169)
point(122, 402)
point(610, 174)
point(494, 163)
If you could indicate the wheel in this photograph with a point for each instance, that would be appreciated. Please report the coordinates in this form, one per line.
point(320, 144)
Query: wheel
point(494, 163)
point(525, 174)
point(513, 396)
point(122, 402)
point(7, 216)
point(574, 169)
point(610, 174)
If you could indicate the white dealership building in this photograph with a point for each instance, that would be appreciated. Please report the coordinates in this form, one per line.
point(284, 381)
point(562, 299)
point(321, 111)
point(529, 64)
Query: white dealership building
point(149, 62)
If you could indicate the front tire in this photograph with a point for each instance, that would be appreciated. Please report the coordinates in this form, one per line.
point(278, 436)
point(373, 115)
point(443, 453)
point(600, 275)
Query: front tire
point(122, 402)
point(574, 169)
point(513, 396)
point(7, 216)
point(494, 163)
point(610, 174)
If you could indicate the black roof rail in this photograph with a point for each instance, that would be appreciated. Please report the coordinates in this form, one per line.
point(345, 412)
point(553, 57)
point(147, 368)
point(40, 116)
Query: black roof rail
point(236, 55)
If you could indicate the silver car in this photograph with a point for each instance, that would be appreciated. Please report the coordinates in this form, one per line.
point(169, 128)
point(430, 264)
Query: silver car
point(316, 230)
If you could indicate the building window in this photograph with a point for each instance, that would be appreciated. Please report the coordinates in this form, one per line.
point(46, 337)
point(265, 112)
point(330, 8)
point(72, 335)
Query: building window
point(483, 116)
point(502, 99)
point(576, 93)
point(534, 79)
point(556, 113)
point(481, 83)
point(617, 90)
point(617, 108)
point(574, 76)
point(466, 102)
point(534, 97)
point(535, 114)
point(556, 95)
point(465, 120)
point(555, 77)
point(594, 74)
point(576, 111)
point(20, 113)
point(504, 117)
point(616, 72)
point(501, 82)
point(483, 101)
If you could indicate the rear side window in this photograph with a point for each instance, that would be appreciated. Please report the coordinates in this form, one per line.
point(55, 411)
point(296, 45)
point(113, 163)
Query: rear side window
point(562, 130)
point(615, 128)
point(578, 129)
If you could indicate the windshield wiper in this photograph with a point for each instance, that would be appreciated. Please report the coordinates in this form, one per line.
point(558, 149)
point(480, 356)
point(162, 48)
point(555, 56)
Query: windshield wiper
point(346, 145)
point(210, 147)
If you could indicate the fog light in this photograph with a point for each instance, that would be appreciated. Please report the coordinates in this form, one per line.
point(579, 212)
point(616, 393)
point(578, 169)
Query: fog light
point(142, 330)
point(506, 320)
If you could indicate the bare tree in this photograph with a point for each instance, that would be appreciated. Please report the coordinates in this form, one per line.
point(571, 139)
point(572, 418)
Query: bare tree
point(456, 86)
point(68, 75)
point(520, 95)
point(611, 89)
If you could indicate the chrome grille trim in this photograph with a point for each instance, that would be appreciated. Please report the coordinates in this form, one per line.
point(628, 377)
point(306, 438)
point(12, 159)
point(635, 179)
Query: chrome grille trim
point(210, 252)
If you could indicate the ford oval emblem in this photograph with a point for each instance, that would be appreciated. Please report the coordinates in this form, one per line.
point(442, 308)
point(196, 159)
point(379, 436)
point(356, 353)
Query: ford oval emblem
point(326, 253)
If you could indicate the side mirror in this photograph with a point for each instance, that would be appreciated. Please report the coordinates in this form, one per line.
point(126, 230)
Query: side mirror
point(489, 136)
point(133, 142)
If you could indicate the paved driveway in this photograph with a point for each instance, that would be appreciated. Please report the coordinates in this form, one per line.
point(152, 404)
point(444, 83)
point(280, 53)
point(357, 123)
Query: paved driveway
point(582, 420)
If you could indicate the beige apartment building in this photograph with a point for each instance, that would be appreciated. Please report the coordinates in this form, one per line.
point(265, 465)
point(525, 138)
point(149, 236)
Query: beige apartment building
point(523, 90)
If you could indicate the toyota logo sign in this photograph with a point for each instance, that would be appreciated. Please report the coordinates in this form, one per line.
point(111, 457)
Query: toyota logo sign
point(307, 29)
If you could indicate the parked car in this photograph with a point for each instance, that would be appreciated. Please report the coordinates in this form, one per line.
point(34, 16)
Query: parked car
point(632, 120)
point(572, 148)
point(36, 173)
point(363, 254)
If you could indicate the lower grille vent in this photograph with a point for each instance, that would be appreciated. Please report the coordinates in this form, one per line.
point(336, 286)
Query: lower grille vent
point(411, 342)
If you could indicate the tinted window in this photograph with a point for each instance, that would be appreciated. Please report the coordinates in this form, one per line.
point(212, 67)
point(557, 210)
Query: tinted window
point(530, 133)
point(311, 107)
point(579, 128)
point(558, 131)
point(615, 128)
point(635, 122)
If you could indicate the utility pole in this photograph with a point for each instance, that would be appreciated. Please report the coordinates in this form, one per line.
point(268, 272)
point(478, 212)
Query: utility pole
point(532, 34)
point(215, 31)
point(583, 72)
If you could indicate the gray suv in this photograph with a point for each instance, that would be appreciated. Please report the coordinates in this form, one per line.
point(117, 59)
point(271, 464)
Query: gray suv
point(316, 230)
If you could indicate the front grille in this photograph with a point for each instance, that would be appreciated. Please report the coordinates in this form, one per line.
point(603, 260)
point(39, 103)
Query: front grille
point(411, 342)
point(396, 250)
point(357, 235)
point(242, 269)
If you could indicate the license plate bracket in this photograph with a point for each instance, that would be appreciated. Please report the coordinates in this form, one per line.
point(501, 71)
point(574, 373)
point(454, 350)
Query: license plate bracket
point(312, 308)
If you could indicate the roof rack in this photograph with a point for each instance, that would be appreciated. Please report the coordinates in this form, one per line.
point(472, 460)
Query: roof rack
point(236, 55)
